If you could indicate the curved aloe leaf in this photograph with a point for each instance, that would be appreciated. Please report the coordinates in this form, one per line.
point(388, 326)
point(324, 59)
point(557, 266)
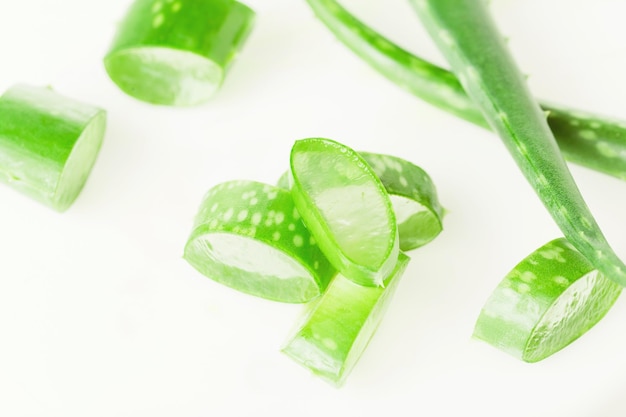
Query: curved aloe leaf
point(587, 139)
point(467, 36)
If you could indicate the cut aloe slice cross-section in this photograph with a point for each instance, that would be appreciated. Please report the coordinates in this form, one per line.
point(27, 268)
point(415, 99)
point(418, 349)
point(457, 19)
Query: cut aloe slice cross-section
point(249, 236)
point(346, 208)
point(48, 143)
point(413, 195)
point(336, 328)
point(546, 302)
point(176, 52)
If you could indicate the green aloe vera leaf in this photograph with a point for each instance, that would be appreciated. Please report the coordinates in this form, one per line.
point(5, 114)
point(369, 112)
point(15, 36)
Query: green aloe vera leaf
point(48, 143)
point(249, 236)
point(547, 301)
point(413, 195)
point(177, 52)
point(336, 328)
point(590, 140)
point(346, 207)
point(468, 38)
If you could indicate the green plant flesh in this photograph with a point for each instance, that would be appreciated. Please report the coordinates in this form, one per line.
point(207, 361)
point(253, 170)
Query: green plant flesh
point(346, 208)
point(337, 327)
point(249, 236)
point(586, 139)
point(176, 52)
point(48, 143)
point(413, 196)
point(546, 302)
point(468, 38)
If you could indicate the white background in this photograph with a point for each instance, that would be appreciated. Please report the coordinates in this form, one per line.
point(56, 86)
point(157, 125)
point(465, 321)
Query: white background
point(101, 316)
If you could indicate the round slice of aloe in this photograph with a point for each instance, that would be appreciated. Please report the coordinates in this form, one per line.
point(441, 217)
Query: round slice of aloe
point(249, 236)
point(176, 52)
point(546, 302)
point(48, 143)
point(413, 195)
point(346, 208)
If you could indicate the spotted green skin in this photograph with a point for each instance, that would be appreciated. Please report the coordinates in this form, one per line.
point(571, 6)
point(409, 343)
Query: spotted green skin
point(587, 139)
point(266, 214)
point(336, 328)
point(469, 39)
point(546, 302)
point(213, 30)
point(318, 165)
point(39, 129)
point(403, 179)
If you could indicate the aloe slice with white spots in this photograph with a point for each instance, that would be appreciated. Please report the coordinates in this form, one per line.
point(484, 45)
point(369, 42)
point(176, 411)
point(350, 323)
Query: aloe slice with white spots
point(336, 328)
point(413, 195)
point(587, 139)
point(470, 41)
point(249, 236)
point(346, 208)
point(48, 143)
point(177, 52)
point(546, 302)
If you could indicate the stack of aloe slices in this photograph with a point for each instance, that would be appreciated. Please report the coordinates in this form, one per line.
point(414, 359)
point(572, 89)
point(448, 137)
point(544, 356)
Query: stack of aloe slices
point(328, 235)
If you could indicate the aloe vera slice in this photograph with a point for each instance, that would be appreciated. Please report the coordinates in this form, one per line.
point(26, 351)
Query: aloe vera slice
point(176, 52)
point(413, 196)
point(412, 193)
point(590, 140)
point(346, 208)
point(336, 328)
point(547, 301)
point(469, 39)
point(48, 143)
point(249, 236)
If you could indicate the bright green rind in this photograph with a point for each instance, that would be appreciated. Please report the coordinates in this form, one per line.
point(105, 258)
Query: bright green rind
point(249, 236)
point(431, 83)
point(336, 328)
point(546, 302)
point(176, 52)
point(586, 139)
point(48, 144)
point(346, 208)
